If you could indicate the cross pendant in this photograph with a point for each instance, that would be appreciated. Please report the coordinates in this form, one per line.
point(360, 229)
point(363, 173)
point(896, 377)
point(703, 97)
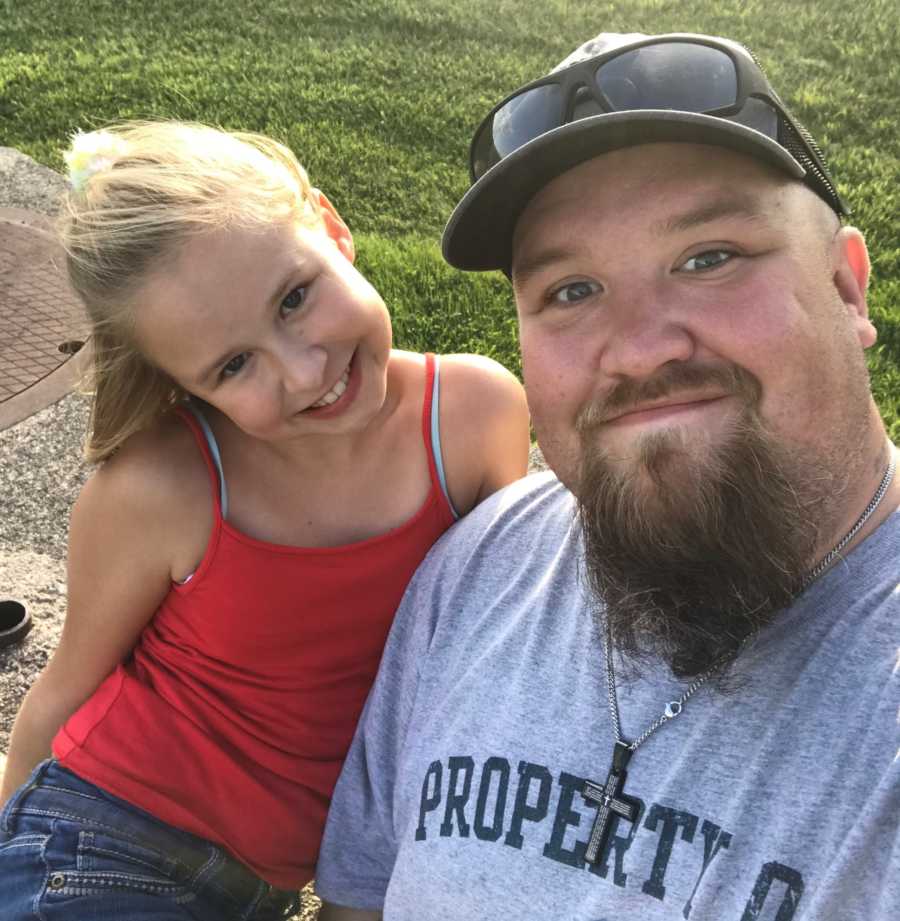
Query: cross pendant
point(609, 801)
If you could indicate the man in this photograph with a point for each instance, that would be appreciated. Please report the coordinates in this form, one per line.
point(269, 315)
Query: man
point(662, 683)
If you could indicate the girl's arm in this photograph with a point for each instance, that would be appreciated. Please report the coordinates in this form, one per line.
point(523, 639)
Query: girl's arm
point(119, 569)
point(485, 433)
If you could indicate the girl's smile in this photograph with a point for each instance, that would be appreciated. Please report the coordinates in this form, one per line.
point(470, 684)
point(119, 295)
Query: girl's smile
point(339, 397)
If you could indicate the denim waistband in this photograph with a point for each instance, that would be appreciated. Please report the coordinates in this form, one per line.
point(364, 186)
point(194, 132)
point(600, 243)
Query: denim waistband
point(56, 792)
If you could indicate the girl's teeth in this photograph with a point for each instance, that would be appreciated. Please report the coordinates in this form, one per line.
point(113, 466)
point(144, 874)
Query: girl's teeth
point(335, 393)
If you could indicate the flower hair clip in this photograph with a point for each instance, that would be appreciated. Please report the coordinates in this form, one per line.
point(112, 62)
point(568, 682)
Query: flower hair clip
point(92, 153)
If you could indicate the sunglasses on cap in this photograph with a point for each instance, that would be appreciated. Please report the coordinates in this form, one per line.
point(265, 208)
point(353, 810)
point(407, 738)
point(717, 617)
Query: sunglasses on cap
point(687, 73)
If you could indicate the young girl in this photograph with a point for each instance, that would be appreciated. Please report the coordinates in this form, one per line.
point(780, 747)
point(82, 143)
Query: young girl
point(272, 473)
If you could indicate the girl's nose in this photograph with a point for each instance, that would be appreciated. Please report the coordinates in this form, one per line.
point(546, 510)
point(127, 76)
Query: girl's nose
point(303, 368)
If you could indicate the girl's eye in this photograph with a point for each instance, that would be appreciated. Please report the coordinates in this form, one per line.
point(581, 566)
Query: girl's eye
point(574, 292)
point(234, 365)
point(711, 259)
point(293, 301)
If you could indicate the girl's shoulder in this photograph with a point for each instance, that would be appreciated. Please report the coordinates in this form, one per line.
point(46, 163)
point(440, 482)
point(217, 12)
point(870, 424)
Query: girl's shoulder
point(157, 474)
point(481, 384)
point(159, 458)
point(469, 383)
point(477, 394)
point(484, 424)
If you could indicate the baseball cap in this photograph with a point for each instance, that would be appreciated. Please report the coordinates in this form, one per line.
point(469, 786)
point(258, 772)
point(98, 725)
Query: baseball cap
point(614, 91)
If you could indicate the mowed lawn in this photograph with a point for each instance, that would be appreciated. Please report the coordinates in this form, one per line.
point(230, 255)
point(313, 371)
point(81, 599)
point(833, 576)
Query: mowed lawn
point(379, 99)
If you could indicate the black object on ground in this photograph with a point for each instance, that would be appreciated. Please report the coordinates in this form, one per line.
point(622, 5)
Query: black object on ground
point(15, 622)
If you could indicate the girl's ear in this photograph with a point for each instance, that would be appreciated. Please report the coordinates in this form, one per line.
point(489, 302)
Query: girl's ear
point(335, 226)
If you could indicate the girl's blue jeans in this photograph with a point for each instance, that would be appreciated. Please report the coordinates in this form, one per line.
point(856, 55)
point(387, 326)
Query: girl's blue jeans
point(68, 850)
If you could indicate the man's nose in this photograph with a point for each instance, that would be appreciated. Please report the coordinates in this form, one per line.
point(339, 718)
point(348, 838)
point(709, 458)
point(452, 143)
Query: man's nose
point(643, 335)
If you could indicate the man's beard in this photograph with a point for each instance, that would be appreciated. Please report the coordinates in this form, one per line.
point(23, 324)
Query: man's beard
point(693, 551)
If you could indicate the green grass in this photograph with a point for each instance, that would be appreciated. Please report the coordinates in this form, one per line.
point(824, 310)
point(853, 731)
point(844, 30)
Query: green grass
point(379, 99)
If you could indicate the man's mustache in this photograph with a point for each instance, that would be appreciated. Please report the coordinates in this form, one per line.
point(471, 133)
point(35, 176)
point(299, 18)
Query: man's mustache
point(673, 379)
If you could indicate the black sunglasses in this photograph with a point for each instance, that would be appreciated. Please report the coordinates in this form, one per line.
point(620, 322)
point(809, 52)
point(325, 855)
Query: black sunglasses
point(686, 73)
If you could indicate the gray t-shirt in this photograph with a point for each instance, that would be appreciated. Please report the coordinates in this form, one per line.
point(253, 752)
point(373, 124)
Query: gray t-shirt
point(461, 796)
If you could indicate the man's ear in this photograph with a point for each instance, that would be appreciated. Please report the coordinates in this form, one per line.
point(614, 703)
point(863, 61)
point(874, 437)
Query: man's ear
point(335, 226)
point(851, 279)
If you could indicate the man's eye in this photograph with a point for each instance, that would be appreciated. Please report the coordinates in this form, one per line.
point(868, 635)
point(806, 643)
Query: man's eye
point(711, 259)
point(574, 292)
point(293, 301)
point(234, 365)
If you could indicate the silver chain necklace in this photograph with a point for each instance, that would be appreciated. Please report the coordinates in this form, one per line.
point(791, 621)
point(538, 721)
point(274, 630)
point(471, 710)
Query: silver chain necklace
point(608, 797)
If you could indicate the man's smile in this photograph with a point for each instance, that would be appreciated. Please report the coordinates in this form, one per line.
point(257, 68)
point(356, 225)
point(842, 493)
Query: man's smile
point(672, 409)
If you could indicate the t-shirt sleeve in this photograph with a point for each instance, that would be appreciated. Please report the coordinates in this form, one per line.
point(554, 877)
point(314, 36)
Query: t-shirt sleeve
point(360, 844)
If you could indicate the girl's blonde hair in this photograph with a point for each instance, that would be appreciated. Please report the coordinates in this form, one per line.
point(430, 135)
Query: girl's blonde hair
point(139, 191)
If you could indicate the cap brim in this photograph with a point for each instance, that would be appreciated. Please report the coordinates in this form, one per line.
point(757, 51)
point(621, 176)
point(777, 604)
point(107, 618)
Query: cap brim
point(478, 235)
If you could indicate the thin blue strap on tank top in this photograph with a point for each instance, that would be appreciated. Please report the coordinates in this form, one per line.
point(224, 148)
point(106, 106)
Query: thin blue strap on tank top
point(214, 451)
point(436, 433)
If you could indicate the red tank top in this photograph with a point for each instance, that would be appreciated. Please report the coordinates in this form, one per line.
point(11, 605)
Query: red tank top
point(233, 716)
